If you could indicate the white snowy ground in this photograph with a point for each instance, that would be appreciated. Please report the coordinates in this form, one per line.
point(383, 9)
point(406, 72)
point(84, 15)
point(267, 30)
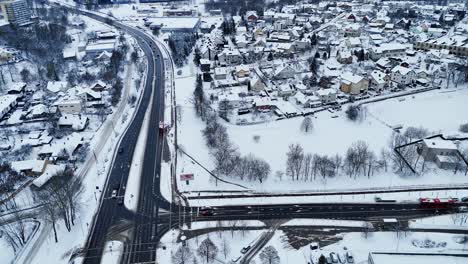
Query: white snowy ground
point(360, 246)
point(6, 252)
point(407, 197)
point(235, 240)
point(438, 111)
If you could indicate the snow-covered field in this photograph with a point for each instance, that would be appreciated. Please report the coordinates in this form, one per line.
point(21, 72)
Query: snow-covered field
point(359, 246)
point(235, 241)
point(438, 111)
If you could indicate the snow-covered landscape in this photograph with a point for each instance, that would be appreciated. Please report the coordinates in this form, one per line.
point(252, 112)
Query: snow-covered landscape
point(236, 131)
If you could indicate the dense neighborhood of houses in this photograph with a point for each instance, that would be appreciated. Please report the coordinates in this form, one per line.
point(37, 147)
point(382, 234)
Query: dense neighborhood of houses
point(53, 121)
point(302, 58)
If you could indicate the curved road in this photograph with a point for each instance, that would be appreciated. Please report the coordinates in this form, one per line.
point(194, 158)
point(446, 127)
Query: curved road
point(147, 226)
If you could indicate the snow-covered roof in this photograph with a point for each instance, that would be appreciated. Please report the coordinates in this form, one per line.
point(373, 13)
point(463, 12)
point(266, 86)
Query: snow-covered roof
point(57, 86)
point(402, 70)
point(35, 166)
point(326, 92)
point(6, 101)
point(390, 47)
point(354, 41)
point(349, 78)
point(220, 70)
point(50, 171)
point(69, 143)
point(242, 67)
point(16, 86)
point(378, 76)
point(438, 143)
point(77, 122)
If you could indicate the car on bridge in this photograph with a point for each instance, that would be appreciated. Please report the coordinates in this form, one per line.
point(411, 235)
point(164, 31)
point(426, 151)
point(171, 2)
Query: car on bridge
point(206, 211)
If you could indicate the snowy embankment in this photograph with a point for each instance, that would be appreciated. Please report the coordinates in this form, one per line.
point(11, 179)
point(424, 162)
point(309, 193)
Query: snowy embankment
point(453, 221)
point(330, 136)
point(113, 251)
point(411, 197)
point(323, 222)
point(132, 191)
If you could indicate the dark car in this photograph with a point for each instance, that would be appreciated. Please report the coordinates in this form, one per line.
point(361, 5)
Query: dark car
point(206, 211)
point(121, 150)
point(464, 199)
point(245, 249)
point(120, 201)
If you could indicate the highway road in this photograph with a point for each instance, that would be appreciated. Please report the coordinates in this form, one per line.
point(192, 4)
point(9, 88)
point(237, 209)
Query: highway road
point(147, 225)
point(150, 200)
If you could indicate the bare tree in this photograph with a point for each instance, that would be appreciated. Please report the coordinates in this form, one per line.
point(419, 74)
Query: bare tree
point(269, 255)
point(366, 229)
point(416, 133)
point(307, 167)
point(225, 248)
point(294, 162)
point(182, 256)
point(207, 250)
point(307, 125)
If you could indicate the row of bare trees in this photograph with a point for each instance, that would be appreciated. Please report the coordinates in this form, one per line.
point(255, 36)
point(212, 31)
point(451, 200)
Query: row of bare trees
point(59, 197)
point(228, 160)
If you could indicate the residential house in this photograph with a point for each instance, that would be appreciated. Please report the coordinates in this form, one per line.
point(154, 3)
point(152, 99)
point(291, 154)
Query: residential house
point(353, 84)
point(327, 96)
point(242, 71)
point(379, 80)
point(388, 50)
point(284, 72)
point(353, 43)
point(205, 65)
point(74, 122)
point(57, 86)
point(50, 171)
point(251, 16)
point(16, 88)
point(353, 30)
point(443, 152)
point(29, 167)
point(344, 57)
point(285, 89)
point(69, 106)
point(402, 76)
point(99, 86)
point(229, 57)
point(256, 84)
point(220, 73)
point(7, 103)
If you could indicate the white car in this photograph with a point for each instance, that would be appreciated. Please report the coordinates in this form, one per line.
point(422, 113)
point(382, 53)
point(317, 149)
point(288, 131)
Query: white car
point(114, 194)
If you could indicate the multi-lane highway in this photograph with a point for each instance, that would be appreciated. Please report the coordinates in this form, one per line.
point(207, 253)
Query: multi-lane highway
point(110, 213)
point(147, 225)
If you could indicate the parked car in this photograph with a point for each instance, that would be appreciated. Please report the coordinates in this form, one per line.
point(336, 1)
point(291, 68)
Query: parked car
point(314, 246)
point(333, 257)
point(245, 249)
point(349, 257)
point(464, 199)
